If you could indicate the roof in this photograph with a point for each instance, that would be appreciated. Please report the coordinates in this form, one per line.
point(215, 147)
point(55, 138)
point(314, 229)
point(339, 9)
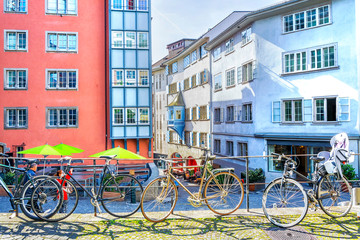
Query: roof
point(178, 101)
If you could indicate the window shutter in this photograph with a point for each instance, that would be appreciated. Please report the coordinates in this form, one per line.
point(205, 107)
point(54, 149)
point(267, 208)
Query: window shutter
point(177, 86)
point(239, 113)
point(167, 136)
point(197, 79)
point(190, 82)
point(167, 70)
point(208, 112)
point(308, 110)
point(205, 76)
point(167, 89)
point(191, 138)
point(198, 113)
point(276, 111)
point(344, 109)
point(182, 85)
point(221, 115)
point(208, 141)
point(254, 70)
point(191, 116)
point(235, 113)
point(239, 74)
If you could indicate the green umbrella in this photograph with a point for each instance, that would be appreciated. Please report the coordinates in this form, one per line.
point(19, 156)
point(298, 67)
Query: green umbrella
point(68, 148)
point(119, 152)
point(45, 150)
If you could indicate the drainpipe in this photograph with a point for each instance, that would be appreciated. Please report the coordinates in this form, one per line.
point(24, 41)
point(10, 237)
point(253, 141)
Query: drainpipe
point(106, 70)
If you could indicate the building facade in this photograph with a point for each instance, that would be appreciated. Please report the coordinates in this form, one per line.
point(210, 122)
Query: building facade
point(274, 93)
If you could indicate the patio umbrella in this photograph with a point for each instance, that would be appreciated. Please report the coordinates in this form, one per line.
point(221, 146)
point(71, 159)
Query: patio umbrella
point(119, 152)
point(68, 148)
point(45, 150)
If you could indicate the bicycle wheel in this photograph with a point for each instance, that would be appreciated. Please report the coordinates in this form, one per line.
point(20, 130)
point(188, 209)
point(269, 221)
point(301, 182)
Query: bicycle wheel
point(120, 195)
point(224, 193)
point(46, 198)
point(159, 199)
point(335, 195)
point(285, 203)
point(25, 196)
point(69, 204)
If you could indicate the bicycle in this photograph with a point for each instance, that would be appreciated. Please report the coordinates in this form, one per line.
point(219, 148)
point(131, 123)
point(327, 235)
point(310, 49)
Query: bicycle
point(119, 194)
point(285, 201)
point(22, 192)
point(223, 192)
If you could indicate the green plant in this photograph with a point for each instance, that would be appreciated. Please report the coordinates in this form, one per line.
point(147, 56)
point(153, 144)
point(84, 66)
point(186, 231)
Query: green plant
point(9, 178)
point(255, 176)
point(348, 171)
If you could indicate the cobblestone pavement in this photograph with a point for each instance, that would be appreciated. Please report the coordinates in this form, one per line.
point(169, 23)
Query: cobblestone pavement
point(203, 225)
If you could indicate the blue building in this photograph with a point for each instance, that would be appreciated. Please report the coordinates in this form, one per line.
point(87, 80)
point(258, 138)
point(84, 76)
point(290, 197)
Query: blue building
point(129, 75)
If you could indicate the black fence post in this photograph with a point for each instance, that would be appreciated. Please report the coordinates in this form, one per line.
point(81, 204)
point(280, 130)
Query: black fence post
point(247, 185)
point(94, 182)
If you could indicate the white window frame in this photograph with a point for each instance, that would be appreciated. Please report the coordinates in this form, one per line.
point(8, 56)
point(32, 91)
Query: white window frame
point(230, 113)
point(148, 116)
point(242, 149)
point(118, 82)
point(147, 40)
point(246, 109)
point(17, 44)
point(146, 5)
point(202, 51)
point(118, 5)
point(246, 36)
point(126, 116)
point(115, 118)
point(57, 12)
point(132, 40)
point(292, 101)
point(58, 87)
point(193, 57)
point(13, 6)
point(126, 7)
point(130, 81)
point(218, 82)
point(17, 77)
point(140, 83)
point(305, 13)
point(186, 61)
point(325, 98)
point(228, 143)
point(116, 39)
point(229, 46)
point(57, 109)
point(17, 117)
point(217, 53)
point(217, 146)
point(247, 72)
point(48, 49)
point(230, 77)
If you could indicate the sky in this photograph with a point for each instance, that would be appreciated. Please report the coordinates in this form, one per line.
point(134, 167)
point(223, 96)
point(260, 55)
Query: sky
point(173, 20)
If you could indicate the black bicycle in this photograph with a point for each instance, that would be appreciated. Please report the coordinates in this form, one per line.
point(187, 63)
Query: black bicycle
point(285, 201)
point(21, 195)
point(119, 194)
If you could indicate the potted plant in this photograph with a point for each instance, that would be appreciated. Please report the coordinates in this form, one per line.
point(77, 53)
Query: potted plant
point(348, 172)
point(255, 176)
point(9, 179)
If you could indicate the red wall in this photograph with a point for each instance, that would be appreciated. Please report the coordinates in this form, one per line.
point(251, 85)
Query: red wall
point(90, 62)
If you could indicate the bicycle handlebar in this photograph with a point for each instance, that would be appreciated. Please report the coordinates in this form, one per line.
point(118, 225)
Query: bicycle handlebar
point(280, 156)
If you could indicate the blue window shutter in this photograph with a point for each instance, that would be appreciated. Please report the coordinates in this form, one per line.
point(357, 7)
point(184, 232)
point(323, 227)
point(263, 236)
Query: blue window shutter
point(308, 110)
point(276, 111)
point(198, 113)
point(197, 79)
point(167, 70)
point(199, 140)
point(205, 75)
point(177, 86)
point(208, 112)
point(239, 74)
point(190, 117)
point(191, 138)
point(221, 114)
point(344, 109)
point(167, 136)
point(209, 140)
point(254, 70)
point(167, 89)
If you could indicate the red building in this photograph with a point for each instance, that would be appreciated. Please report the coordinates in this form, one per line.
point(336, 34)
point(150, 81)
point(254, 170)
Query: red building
point(53, 62)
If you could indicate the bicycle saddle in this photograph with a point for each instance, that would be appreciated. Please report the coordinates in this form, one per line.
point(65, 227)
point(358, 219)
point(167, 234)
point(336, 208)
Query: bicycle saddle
point(30, 161)
point(108, 157)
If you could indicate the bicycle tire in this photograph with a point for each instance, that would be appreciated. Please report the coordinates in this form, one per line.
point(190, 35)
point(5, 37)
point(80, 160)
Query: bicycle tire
point(25, 197)
point(226, 198)
point(338, 189)
point(46, 198)
point(278, 211)
point(159, 199)
point(120, 195)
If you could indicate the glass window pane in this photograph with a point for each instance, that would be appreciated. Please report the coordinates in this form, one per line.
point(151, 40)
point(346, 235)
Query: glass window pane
point(22, 79)
point(22, 41)
point(52, 117)
point(72, 42)
point(143, 40)
point(61, 6)
point(117, 4)
point(51, 6)
point(22, 117)
point(62, 79)
point(72, 117)
point(142, 5)
point(11, 113)
point(52, 44)
point(130, 40)
point(53, 79)
point(11, 41)
point(117, 39)
point(63, 117)
point(131, 115)
point(143, 78)
point(72, 79)
point(62, 42)
point(71, 8)
point(130, 77)
point(144, 115)
point(11, 79)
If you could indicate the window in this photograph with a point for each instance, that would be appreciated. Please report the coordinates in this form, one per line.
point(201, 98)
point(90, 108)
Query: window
point(65, 117)
point(194, 115)
point(203, 112)
point(193, 56)
point(19, 6)
point(178, 114)
point(217, 146)
point(217, 81)
point(292, 111)
point(325, 109)
point(310, 59)
point(129, 4)
point(203, 140)
point(186, 61)
point(230, 148)
point(143, 78)
point(16, 40)
point(131, 116)
point(195, 139)
point(63, 7)
point(15, 79)
point(217, 53)
point(307, 19)
point(143, 39)
point(242, 150)
point(203, 77)
point(142, 5)
point(118, 77)
point(61, 42)
point(186, 84)
point(193, 81)
point(143, 115)
point(62, 79)
point(230, 78)
point(118, 116)
point(174, 67)
point(117, 39)
point(229, 46)
point(203, 51)
point(230, 114)
point(246, 36)
point(217, 115)
point(130, 39)
point(173, 88)
point(247, 72)
point(16, 118)
point(130, 77)
point(117, 4)
point(247, 113)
